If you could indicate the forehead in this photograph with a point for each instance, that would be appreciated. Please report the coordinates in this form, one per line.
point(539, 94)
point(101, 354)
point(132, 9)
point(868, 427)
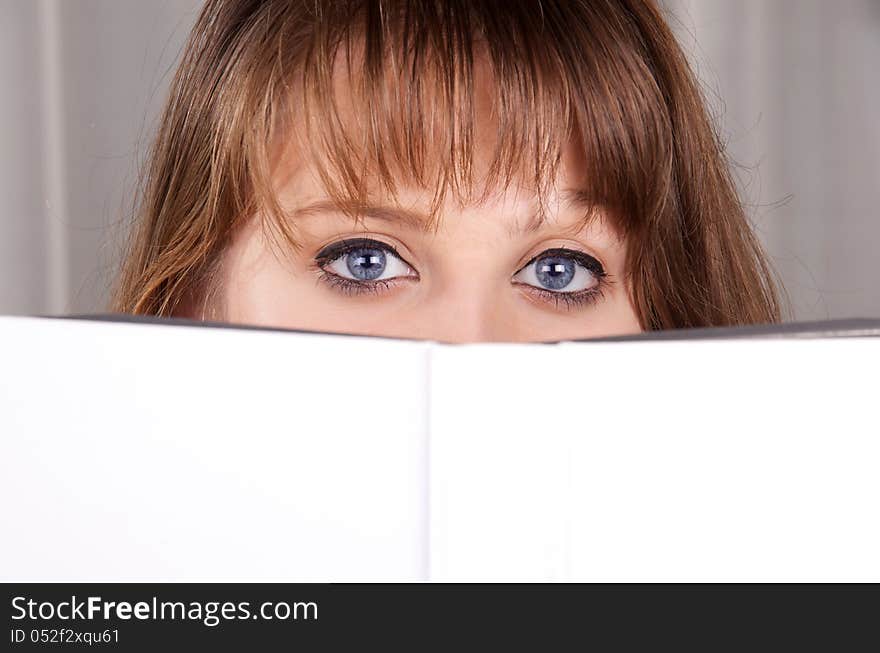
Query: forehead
point(308, 180)
point(364, 130)
point(516, 206)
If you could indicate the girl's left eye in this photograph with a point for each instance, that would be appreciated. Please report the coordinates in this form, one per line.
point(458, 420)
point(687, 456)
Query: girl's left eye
point(561, 271)
point(363, 260)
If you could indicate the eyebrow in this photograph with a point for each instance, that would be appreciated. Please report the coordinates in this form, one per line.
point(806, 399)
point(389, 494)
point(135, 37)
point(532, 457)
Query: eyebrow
point(413, 219)
point(568, 198)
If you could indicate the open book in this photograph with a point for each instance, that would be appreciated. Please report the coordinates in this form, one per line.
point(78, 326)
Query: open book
point(144, 451)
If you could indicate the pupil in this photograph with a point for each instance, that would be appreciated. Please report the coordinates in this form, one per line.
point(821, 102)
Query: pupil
point(365, 263)
point(554, 272)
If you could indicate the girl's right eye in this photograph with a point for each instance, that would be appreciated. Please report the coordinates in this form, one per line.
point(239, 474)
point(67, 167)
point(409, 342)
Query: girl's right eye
point(363, 260)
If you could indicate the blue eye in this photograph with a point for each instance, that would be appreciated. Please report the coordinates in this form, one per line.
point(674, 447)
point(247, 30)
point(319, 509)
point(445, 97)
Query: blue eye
point(363, 260)
point(365, 263)
point(561, 271)
point(555, 272)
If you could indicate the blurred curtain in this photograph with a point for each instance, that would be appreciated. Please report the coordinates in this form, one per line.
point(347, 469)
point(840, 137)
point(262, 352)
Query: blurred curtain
point(795, 85)
point(83, 81)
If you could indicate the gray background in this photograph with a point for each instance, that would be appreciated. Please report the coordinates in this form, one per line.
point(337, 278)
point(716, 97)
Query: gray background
point(794, 85)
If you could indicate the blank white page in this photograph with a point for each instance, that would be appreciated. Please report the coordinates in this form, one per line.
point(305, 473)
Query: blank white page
point(735, 460)
point(141, 452)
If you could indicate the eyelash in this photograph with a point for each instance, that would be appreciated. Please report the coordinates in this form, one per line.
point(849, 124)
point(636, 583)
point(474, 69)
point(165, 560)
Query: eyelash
point(351, 287)
point(572, 300)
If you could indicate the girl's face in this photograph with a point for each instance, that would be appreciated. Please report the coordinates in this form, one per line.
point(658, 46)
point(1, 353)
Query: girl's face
point(487, 272)
point(490, 271)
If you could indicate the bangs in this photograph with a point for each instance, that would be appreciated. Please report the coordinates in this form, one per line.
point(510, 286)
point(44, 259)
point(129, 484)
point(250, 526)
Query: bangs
point(383, 94)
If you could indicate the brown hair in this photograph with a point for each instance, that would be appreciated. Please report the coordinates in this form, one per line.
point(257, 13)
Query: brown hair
point(607, 72)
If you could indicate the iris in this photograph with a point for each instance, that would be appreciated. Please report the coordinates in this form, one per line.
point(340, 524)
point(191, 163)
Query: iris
point(365, 263)
point(555, 272)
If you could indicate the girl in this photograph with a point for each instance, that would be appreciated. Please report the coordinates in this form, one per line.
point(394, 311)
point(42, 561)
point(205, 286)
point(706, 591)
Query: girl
point(461, 170)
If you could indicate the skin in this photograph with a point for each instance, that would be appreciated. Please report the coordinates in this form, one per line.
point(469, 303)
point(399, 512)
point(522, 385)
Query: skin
point(465, 280)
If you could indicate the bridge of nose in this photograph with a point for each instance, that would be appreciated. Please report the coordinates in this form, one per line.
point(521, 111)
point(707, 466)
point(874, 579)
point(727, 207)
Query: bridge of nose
point(481, 313)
